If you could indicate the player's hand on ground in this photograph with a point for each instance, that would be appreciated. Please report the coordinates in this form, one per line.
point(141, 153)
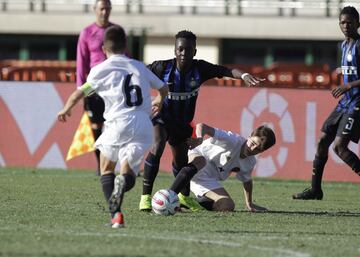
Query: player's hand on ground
point(256, 208)
point(194, 142)
point(62, 115)
point(338, 91)
point(251, 80)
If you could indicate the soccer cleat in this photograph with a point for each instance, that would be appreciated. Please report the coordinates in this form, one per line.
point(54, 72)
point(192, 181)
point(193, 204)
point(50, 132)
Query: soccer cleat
point(309, 194)
point(145, 203)
point(189, 203)
point(118, 220)
point(117, 194)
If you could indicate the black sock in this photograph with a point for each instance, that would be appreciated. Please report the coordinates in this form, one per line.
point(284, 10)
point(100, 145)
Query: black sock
point(317, 172)
point(184, 177)
point(107, 183)
point(129, 182)
point(151, 169)
point(352, 160)
point(186, 189)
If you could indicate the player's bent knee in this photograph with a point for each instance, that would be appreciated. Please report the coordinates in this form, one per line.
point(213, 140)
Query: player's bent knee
point(224, 204)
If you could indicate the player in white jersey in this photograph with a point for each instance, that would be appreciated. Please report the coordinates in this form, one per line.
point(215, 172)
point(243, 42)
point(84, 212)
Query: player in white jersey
point(216, 157)
point(124, 84)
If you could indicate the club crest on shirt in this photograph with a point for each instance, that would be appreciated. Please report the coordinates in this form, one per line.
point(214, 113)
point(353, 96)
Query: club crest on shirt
point(349, 57)
point(193, 82)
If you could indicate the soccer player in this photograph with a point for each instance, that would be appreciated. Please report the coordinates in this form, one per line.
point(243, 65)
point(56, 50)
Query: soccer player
point(212, 160)
point(124, 85)
point(184, 76)
point(343, 123)
point(89, 53)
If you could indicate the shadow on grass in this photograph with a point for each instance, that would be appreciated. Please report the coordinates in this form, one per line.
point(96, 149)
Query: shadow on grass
point(45, 254)
point(313, 213)
point(320, 213)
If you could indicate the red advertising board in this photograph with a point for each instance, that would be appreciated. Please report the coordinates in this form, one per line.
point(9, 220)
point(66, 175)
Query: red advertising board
point(32, 137)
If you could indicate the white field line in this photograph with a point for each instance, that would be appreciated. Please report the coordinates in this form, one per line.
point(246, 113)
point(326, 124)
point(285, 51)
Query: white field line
point(279, 252)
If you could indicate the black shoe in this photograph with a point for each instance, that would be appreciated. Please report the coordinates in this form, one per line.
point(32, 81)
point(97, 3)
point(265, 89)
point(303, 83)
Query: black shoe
point(309, 194)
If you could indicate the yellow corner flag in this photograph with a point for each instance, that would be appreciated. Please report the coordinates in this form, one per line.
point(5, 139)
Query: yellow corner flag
point(83, 141)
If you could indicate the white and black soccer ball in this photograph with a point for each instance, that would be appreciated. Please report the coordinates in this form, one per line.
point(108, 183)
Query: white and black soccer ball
point(165, 202)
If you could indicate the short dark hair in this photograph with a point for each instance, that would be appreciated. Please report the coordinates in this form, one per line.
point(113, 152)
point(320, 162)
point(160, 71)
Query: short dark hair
point(268, 134)
point(96, 1)
point(115, 39)
point(187, 34)
point(351, 11)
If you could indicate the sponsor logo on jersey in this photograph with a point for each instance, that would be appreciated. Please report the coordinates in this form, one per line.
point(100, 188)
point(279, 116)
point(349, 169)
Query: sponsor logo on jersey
point(349, 70)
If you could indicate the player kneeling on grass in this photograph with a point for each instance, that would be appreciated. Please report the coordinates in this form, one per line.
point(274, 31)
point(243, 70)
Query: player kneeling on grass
point(212, 160)
point(124, 84)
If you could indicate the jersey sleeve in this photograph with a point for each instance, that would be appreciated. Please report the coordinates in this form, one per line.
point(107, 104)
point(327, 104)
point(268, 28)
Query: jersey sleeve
point(82, 59)
point(94, 79)
point(209, 70)
point(154, 80)
point(225, 139)
point(244, 175)
point(157, 68)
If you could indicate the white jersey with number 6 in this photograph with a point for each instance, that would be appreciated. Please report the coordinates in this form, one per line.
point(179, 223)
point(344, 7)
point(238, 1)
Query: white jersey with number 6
point(124, 85)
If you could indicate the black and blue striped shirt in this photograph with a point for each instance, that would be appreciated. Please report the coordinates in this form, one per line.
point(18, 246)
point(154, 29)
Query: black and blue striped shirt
point(179, 106)
point(350, 67)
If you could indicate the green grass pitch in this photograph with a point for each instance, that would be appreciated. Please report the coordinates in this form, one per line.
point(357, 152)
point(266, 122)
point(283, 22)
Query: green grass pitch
point(63, 213)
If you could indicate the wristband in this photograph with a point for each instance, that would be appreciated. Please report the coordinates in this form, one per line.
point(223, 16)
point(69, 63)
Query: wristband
point(243, 75)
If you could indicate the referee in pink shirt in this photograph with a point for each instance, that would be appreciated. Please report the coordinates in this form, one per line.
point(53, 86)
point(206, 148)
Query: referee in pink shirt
point(89, 54)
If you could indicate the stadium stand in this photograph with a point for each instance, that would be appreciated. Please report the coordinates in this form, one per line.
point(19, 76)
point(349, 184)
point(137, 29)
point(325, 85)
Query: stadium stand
point(283, 75)
point(32, 70)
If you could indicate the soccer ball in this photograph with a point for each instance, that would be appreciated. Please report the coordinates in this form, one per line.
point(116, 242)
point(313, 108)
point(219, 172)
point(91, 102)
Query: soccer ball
point(165, 202)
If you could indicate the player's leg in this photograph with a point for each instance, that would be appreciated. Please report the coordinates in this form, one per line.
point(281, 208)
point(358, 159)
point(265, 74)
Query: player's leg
point(348, 130)
point(178, 134)
point(107, 168)
point(182, 180)
point(94, 106)
point(109, 186)
point(221, 200)
point(345, 154)
point(180, 160)
point(329, 130)
point(321, 157)
point(123, 183)
point(130, 157)
point(210, 194)
point(151, 166)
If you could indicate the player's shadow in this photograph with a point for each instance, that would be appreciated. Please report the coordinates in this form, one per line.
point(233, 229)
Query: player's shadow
point(315, 213)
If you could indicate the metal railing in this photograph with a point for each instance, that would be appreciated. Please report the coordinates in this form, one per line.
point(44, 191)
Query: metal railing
point(322, 8)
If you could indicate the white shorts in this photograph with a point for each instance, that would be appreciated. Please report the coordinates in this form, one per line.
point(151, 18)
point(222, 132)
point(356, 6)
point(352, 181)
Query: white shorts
point(202, 184)
point(127, 138)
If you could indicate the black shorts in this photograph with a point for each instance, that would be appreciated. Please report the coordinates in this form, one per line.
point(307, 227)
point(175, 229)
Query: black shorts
point(94, 106)
point(177, 133)
point(343, 125)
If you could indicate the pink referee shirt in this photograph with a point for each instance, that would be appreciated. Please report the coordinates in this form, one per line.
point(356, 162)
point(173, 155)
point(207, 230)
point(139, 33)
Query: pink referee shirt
point(89, 51)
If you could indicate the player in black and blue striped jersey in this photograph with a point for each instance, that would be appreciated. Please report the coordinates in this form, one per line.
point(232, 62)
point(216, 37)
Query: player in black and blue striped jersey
point(184, 76)
point(343, 124)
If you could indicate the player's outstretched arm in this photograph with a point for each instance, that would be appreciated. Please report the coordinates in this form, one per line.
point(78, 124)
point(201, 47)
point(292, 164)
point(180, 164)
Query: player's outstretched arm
point(248, 187)
point(75, 97)
point(340, 90)
point(249, 79)
point(201, 131)
point(158, 100)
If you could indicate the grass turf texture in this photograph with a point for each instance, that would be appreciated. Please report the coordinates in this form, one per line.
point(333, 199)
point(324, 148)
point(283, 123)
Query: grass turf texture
point(63, 213)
